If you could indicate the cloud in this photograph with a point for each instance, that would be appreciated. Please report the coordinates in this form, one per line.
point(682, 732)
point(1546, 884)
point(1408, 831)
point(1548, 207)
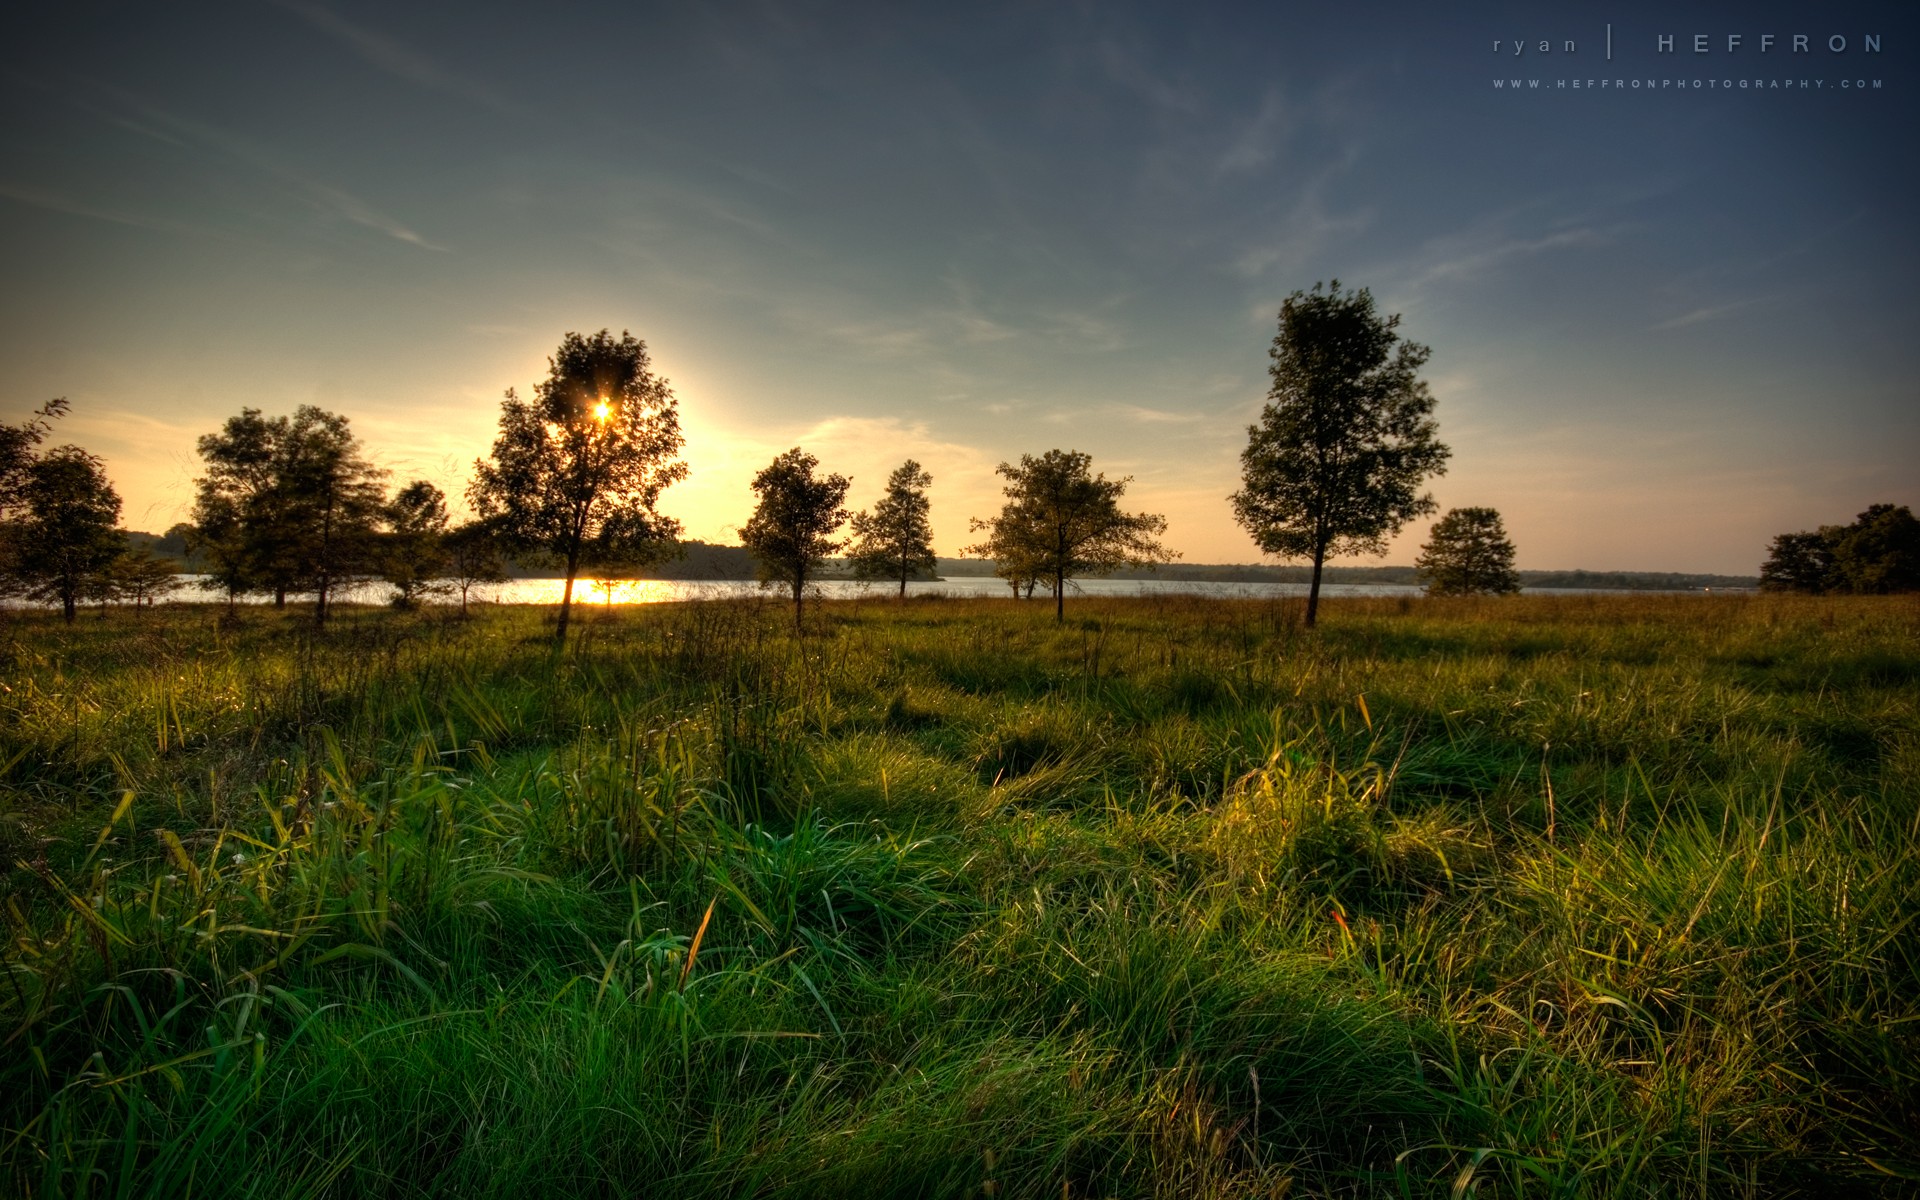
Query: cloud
point(1257, 143)
point(55, 202)
point(1706, 314)
point(386, 54)
point(1475, 261)
point(325, 198)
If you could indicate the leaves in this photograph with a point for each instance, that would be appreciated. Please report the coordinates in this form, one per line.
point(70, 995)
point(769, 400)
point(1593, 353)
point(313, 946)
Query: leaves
point(576, 474)
point(1335, 465)
point(895, 539)
point(1467, 552)
point(1062, 520)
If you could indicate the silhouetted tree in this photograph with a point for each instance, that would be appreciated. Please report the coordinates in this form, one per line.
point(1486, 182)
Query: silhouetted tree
point(474, 556)
point(895, 539)
point(576, 474)
point(1335, 465)
point(138, 577)
point(334, 499)
point(1061, 520)
point(287, 504)
point(791, 530)
point(241, 524)
point(1880, 552)
point(1467, 552)
point(413, 554)
point(64, 536)
point(18, 454)
point(1877, 554)
point(1801, 562)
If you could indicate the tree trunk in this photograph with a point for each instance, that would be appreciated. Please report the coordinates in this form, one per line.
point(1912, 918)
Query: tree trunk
point(799, 589)
point(67, 606)
point(1059, 598)
point(566, 600)
point(280, 597)
point(1313, 589)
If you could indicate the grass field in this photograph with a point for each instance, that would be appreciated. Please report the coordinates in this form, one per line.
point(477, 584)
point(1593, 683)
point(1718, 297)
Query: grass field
point(1557, 896)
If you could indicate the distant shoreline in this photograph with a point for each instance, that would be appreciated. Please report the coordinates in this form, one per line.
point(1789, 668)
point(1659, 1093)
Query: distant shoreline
point(703, 562)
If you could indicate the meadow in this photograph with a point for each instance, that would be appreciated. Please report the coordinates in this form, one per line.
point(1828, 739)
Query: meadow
point(1534, 896)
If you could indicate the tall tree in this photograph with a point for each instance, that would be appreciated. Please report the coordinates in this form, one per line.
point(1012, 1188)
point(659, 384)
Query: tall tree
point(895, 538)
point(1335, 465)
point(414, 553)
point(65, 538)
point(576, 474)
point(286, 505)
point(791, 530)
point(240, 525)
point(334, 498)
point(1061, 520)
point(1468, 553)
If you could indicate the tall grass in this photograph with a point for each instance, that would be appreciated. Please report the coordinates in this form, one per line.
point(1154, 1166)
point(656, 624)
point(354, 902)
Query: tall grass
point(1606, 896)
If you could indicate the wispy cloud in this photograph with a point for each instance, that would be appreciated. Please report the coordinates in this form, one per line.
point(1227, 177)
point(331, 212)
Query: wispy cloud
point(386, 54)
point(1710, 313)
point(1257, 142)
point(1460, 263)
point(325, 198)
point(1125, 68)
point(55, 202)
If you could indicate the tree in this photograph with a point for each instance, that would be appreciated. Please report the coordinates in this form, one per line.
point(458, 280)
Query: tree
point(1880, 552)
point(333, 499)
point(896, 538)
point(576, 474)
point(474, 556)
point(1335, 464)
point(1467, 552)
point(17, 453)
point(64, 536)
point(240, 525)
point(1877, 554)
point(138, 577)
point(1801, 562)
point(287, 504)
point(791, 530)
point(1061, 520)
point(414, 552)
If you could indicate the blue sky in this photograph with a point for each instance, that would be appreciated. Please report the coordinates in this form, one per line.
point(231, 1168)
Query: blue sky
point(1665, 323)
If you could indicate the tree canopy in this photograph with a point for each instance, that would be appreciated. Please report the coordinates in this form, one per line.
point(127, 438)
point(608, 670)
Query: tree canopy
point(1467, 553)
point(1877, 554)
point(1061, 520)
point(1336, 462)
point(413, 554)
point(287, 504)
point(894, 539)
point(64, 537)
point(576, 474)
point(791, 530)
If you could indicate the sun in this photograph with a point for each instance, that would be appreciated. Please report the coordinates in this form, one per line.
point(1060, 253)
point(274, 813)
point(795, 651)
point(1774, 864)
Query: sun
point(602, 410)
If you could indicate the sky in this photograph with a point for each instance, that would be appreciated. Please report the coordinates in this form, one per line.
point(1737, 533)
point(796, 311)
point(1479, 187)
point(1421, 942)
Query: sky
point(1667, 321)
